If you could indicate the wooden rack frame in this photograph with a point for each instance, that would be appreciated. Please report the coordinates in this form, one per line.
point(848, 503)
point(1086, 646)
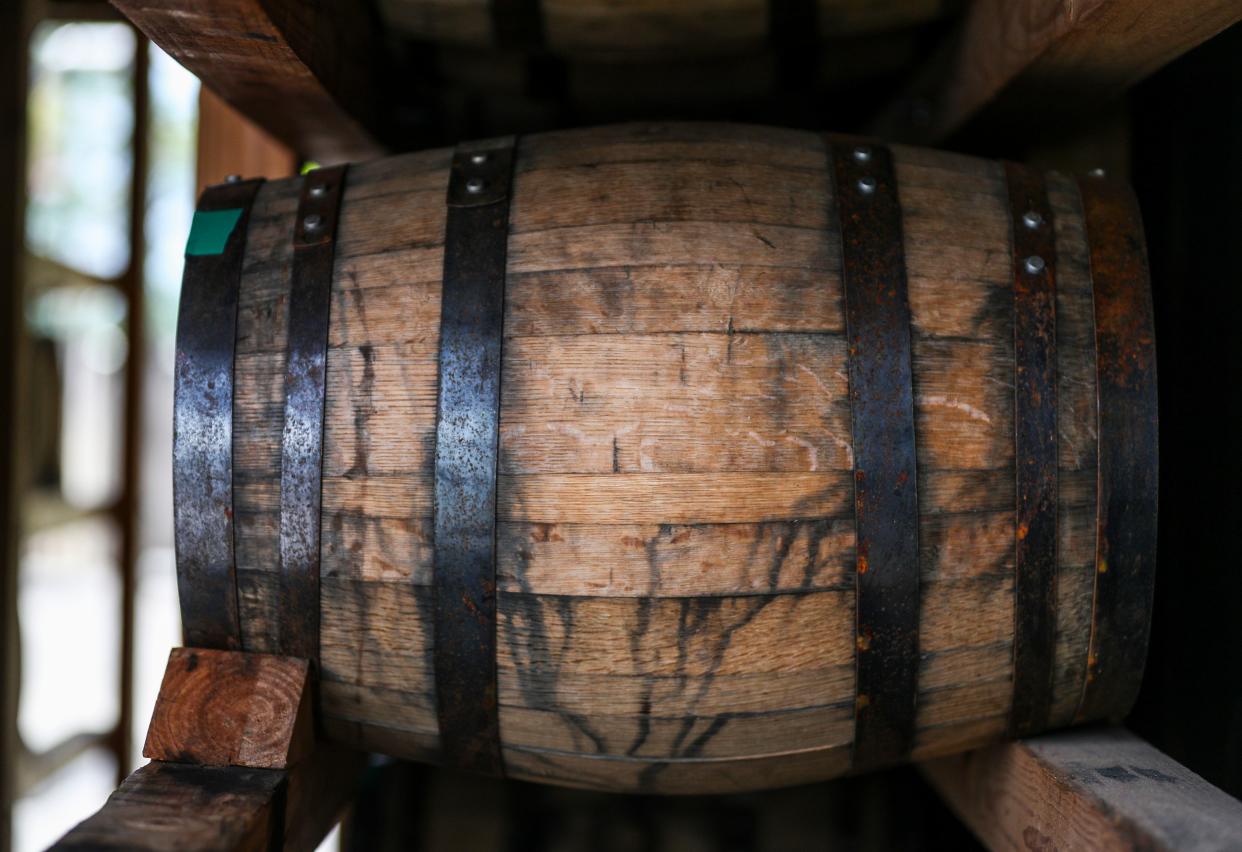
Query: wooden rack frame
point(235, 763)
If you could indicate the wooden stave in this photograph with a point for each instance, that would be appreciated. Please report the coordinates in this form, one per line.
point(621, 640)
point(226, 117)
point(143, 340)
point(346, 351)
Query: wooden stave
point(942, 179)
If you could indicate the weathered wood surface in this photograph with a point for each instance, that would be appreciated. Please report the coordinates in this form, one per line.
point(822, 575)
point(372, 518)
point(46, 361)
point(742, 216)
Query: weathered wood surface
point(649, 29)
point(1018, 63)
point(179, 807)
point(308, 74)
point(224, 708)
point(167, 806)
point(236, 765)
point(1098, 788)
point(676, 524)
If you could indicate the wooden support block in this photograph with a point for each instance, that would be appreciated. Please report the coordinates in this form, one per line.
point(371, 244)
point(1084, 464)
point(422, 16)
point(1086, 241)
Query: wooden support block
point(1098, 788)
point(173, 806)
point(227, 708)
point(235, 763)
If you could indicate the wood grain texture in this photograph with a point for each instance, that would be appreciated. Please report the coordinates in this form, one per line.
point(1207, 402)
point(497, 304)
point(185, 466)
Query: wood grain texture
point(181, 807)
point(676, 525)
point(1100, 788)
point(302, 73)
point(171, 806)
point(225, 708)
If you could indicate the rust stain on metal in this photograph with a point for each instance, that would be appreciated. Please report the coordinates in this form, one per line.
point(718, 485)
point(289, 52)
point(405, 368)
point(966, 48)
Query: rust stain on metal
point(877, 317)
point(1034, 264)
point(1128, 450)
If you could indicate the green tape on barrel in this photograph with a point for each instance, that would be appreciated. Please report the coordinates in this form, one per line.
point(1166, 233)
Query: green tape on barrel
point(210, 230)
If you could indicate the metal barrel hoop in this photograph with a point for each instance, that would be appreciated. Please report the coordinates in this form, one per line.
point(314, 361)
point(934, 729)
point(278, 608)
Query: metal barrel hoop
point(466, 456)
point(877, 321)
point(301, 447)
point(203, 415)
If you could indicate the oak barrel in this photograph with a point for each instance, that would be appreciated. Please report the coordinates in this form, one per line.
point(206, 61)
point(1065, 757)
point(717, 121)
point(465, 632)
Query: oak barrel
point(687, 419)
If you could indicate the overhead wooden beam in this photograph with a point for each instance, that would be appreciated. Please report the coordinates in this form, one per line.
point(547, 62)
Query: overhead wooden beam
point(1018, 64)
point(311, 74)
point(1099, 788)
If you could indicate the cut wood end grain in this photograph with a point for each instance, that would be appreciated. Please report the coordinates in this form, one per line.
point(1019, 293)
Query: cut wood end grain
point(227, 708)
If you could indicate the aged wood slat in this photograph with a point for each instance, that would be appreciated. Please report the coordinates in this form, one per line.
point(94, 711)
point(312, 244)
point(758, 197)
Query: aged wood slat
point(1099, 788)
point(675, 513)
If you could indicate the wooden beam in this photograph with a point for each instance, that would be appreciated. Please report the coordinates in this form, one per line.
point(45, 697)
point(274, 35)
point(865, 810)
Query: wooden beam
point(1018, 64)
point(1099, 788)
point(310, 74)
point(180, 807)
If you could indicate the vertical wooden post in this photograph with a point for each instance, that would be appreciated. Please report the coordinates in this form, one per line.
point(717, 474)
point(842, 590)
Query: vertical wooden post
point(228, 143)
point(127, 506)
point(14, 30)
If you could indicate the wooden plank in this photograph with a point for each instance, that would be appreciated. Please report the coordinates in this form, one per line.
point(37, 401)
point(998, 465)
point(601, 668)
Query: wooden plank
point(1017, 62)
point(1100, 788)
point(177, 807)
point(307, 74)
point(225, 708)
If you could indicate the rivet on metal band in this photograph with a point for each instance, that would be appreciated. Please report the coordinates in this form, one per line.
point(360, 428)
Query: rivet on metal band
point(877, 321)
point(1033, 244)
point(467, 429)
point(203, 416)
point(301, 448)
point(1126, 496)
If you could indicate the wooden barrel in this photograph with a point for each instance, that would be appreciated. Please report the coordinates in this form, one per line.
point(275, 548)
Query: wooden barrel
point(650, 29)
point(813, 455)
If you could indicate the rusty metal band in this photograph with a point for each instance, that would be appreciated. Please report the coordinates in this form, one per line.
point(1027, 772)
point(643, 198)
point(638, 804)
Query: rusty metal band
point(467, 429)
point(877, 321)
point(1033, 243)
point(301, 447)
point(1128, 450)
point(203, 416)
